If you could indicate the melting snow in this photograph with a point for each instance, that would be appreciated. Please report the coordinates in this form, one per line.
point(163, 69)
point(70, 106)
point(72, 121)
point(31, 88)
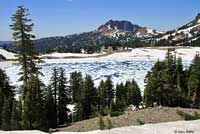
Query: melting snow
point(7, 55)
point(185, 127)
point(119, 66)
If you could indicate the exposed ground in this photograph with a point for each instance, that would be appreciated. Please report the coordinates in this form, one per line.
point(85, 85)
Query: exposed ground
point(130, 118)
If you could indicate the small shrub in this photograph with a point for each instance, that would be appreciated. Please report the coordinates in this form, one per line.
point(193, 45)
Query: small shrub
point(140, 122)
point(110, 126)
point(116, 113)
point(197, 115)
point(186, 116)
point(101, 123)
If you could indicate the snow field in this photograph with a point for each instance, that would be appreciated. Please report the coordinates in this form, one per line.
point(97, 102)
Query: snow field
point(119, 66)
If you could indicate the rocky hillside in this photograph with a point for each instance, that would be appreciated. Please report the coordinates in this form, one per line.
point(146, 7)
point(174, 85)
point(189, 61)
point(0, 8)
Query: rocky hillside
point(147, 116)
point(114, 28)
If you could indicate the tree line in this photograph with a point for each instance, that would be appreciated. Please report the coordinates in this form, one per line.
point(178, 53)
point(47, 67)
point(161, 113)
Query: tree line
point(170, 84)
point(43, 107)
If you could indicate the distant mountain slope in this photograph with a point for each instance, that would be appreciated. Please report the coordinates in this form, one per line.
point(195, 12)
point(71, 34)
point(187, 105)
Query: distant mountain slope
point(4, 42)
point(185, 34)
point(120, 33)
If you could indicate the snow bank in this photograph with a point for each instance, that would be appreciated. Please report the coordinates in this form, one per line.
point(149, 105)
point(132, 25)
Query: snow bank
point(185, 127)
point(69, 55)
point(7, 55)
point(22, 132)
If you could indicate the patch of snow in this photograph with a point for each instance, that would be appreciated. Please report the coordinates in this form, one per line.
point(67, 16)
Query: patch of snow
point(160, 128)
point(187, 30)
point(198, 21)
point(195, 38)
point(165, 37)
point(109, 27)
point(150, 31)
point(71, 107)
point(189, 24)
point(23, 132)
point(65, 55)
point(7, 55)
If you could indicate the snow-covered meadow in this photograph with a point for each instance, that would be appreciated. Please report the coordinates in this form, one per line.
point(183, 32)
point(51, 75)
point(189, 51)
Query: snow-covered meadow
point(183, 127)
point(119, 66)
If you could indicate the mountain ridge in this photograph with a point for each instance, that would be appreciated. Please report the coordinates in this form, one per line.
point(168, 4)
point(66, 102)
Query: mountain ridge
point(118, 32)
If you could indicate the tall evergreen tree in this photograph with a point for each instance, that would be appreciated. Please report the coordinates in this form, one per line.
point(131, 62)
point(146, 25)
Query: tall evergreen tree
point(121, 92)
point(157, 87)
point(101, 101)
point(181, 90)
point(76, 83)
point(50, 108)
point(27, 112)
point(194, 82)
point(26, 58)
point(34, 105)
point(87, 104)
point(170, 85)
point(15, 116)
point(64, 96)
point(54, 85)
point(6, 96)
point(120, 98)
point(134, 94)
point(6, 113)
point(109, 92)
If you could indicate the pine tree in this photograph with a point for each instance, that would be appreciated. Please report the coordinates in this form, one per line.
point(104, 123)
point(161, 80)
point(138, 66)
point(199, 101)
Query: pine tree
point(54, 85)
point(15, 117)
point(101, 101)
point(6, 94)
point(76, 83)
point(87, 105)
point(63, 98)
point(50, 108)
point(170, 85)
point(26, 58)
point(6, 113)
point(155, 83)
point(33, 105)
point(181, 92)
point(34, 115)
point(194, 82)
point(27, 112)
point(109, 92)
point(38, 103)
point(134, 94)
point(120, 99)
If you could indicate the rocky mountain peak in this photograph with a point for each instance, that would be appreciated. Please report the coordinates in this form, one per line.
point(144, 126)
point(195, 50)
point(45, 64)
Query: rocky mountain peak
point(118, 25)
point(198, 16)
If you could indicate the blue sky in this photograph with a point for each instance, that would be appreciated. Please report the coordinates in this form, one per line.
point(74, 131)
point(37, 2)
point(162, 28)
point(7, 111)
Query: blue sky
point(63, 17)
